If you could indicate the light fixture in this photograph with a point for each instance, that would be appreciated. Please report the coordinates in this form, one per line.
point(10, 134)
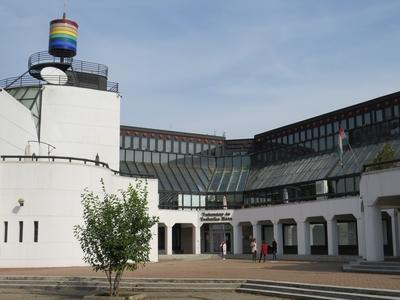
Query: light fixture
point(21, 202)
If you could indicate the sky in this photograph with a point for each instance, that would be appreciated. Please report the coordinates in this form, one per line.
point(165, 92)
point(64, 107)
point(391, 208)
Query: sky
point(229, 67)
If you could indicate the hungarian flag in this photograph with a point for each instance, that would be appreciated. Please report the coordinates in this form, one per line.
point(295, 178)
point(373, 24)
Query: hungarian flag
point(341, 137)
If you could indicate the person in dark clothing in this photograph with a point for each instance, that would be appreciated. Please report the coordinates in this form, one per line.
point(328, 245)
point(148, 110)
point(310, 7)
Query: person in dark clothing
point(274, 248)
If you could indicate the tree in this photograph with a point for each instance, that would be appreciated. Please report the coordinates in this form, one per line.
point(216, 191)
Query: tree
point(116, 231)
point(387, 153)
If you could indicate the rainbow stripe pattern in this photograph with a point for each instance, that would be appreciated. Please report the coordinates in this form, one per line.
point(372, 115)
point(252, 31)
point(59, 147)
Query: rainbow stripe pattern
point(63, 37)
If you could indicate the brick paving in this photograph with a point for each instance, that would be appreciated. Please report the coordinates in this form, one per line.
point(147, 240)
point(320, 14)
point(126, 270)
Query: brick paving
point(296, 271)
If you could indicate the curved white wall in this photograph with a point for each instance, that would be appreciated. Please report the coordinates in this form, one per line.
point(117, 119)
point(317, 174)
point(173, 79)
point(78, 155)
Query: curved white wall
point(51, 192)
point(16, 125)
point(81, 122)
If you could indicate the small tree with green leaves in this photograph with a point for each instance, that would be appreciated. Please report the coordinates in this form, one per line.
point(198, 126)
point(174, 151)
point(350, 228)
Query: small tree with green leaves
point(116, 231)
point(387, 153)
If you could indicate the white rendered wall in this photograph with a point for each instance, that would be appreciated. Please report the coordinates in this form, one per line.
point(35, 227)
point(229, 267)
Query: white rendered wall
point(17, 126)
point(81, 122)
point(51, 192)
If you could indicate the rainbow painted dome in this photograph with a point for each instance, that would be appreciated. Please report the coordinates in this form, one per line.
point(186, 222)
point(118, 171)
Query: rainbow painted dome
point(63, 37)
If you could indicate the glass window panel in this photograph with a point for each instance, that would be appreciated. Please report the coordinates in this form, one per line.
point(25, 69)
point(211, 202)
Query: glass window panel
point(315, 132)
point(336, 127)
point(367, 118)
point(303, 136)
point(322, 130)
point(237, 162)
point(183, 147)
point(205, 147)
point(121, 141)
point(359, 121)
point(144, 143)
point(350, 184)
point(290, 234)
point(152, 145)
point(290, 139)
point(322, 144)
point(284, 140)
point(296, 137)
point(129, 155)
point(191, 148)
point(347, 233)
point(396, 111)
point(168, 146)
point(198, 148)
point(164, 158)
point(147, 157)
point(379, 115)
point(136, 142)
point(138, 156)
point(128, 140)
point(340, 186)
point(329, 142)
point(121, 154)
point(351, 123)
point(315, 145)
point(172, 158)
point(328, 128)
point(309, 134)
point(317, 235)
point(155, 157)
point(160, 145)
point(176, 147)
point(228, 162)
point(343, 124)
point(388, 113)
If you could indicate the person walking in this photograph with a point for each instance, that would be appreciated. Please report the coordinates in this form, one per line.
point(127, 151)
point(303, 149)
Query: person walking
point(224, 250)
point(253, 246)
point(263, 251)
point(274, 249)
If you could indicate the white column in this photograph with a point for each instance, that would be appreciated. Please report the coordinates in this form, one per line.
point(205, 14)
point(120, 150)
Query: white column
point(169, 239)
point(374, 239)
point(395, 231)
point(303, 238)
point(360, 237)
point(256, 232)
point(332, 237)
point(196, 240)
point(237, 239)
point(278, 236)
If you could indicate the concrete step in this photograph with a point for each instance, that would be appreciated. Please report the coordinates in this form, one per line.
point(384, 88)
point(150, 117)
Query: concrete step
point(284, 295)
point(384, 267)
point(303, 291)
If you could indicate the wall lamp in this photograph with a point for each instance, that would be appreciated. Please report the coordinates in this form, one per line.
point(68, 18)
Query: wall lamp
point(21, 202)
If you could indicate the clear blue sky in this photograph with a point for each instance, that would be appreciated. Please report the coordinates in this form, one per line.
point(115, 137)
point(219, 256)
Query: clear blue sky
point(240, 67)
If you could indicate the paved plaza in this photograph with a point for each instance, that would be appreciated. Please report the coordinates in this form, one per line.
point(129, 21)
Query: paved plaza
point(328, 273)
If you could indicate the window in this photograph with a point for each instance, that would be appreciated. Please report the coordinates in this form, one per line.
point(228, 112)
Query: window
point(328, 128)
point(322, 144)
point(183, 147)
point(296, 137)
point(191, 148)
point(167, 145)
point(329, 141)
point(388, 113)
point(144, 143)
point(136, 142)
point(309, 134)
point(160, 145)
point(176, 147)
point(379, 115)
point(127, 143)
point(367, 118)
point(351, 122)
point(152, 144)
point(5, 231)
point(35, 231)
point(290, 139)
point(322, 130)
point(21, 231)
point(198, 148)
point(359, 121)
point(303, 136)
point(315, 132)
